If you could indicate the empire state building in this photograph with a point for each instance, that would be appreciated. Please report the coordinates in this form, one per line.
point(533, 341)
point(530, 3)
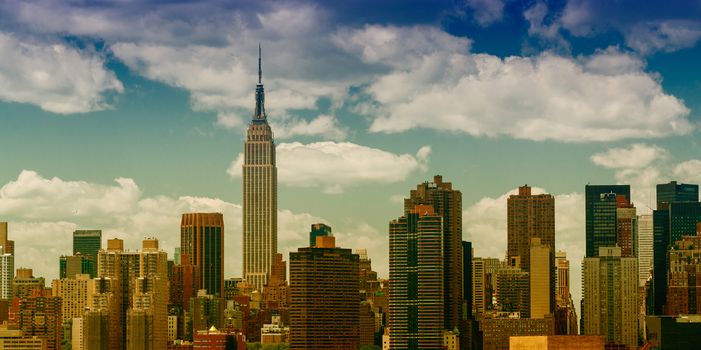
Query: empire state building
point(259, 195)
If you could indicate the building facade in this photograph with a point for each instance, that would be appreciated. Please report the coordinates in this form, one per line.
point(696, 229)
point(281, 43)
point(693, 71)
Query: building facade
point(324, 303)
point(259, 195)
point(202, 241)
point(88, 243)
point(610, 286)
point(600, 215)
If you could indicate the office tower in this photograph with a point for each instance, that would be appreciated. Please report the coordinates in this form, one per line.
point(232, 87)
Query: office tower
point(467, 279)
point(7, 244)
point(684, 286)
point(24, 283)
point(7, 274)
point(151, 295)
point(184, 285)
point(600, 215)
point(610, 297)
point(318, 230)
point(677, 209)
point(644, 248)
point(88, 243)
point(447, 203)
point(259, 195)
point(529, 216)
point(75, 293)
point(540, 278)
point(202, 240)
point(674, 192)
point(513, 294)
point(121, 268)
point(40, 316)
point(416, 279)
point(96, 330)
point(324, 301)
point(565, 312)
point(626, 226)
point(206, 310)
point(69, 266)
point(673, 332)
point(479, 302)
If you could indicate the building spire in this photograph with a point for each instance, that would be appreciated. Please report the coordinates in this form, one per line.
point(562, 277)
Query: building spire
point(259, 114)
point(260, 70)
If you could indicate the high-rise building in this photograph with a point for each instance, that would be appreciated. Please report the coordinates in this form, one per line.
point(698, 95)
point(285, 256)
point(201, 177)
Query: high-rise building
point(259, 195)
point(529, 216)
point(75, 294)
point(499, 327)
point(416, 298)
point(479, 302)
point(540, 275)
point(38, 315)
point(25, 283)
point(96, 330)
point(88, 243)
point(324, 303)
point(684, 282)
point(674, 332)
point(626, 226)
point(600, 215)
point(565, 312)
point(7, 274)
point(677, 212)
point(69, 266)
point(513, 291)
point(318, 230)
point(276, 292)
point(151, 293)
point(446, 203)
point(610, 286)
point(7, 244)
point(202, 240)
point(644, 248)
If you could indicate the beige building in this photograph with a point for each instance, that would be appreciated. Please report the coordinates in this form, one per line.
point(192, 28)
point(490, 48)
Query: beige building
point(451, 340)
point(557, 342)
point(77, 340)
point(497, 328)
point(540, 276)
point(74, 294)
point(12, 339)
point(644, 248)
point(259, 195)
point(610, 304)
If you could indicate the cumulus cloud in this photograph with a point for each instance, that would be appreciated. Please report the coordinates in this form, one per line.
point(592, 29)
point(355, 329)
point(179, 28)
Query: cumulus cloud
point(547, 97)
point(43, 213)
point(638, 155)
point(643, 166)
point(337, 165)
point(668, 36)
point(484, 224)
point(53, 76)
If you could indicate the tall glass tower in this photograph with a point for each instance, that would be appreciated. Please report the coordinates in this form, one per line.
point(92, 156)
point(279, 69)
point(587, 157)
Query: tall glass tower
point(259, 195)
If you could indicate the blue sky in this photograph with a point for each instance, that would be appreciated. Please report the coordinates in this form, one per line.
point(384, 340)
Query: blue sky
point(123, 115)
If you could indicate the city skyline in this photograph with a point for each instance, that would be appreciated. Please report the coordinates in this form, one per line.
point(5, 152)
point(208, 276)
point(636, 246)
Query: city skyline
point(120, 155)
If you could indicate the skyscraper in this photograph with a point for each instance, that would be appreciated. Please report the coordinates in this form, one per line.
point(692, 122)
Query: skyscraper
point(318, 230)
point(416, 275)
point(626, 226)
point(324, 303)
point(529, 216)
point(610, 297)
point(600, 215)
point(259, 194)
point(7, 274)
point(202, 241)
point(88, 243)
point(565, 312)
point(678, 211)
point(446, 203)
point(684, 287)
point(644, 247)
point(540, 279)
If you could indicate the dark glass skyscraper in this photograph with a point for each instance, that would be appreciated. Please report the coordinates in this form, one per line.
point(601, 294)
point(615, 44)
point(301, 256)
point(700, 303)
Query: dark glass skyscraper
point(88, 243)
point(202, 241)
point(678, 211)
point(600, 215)
point(318, 230)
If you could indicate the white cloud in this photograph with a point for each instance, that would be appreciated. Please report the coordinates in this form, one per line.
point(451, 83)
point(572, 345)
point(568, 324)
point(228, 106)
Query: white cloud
point(44, 212)
point(484, 224)
point(689, 171)
point(639, 155)
point(547, 97)
point(668, 36)
point(486, 12)
point(55, 77)
point(337, 165)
